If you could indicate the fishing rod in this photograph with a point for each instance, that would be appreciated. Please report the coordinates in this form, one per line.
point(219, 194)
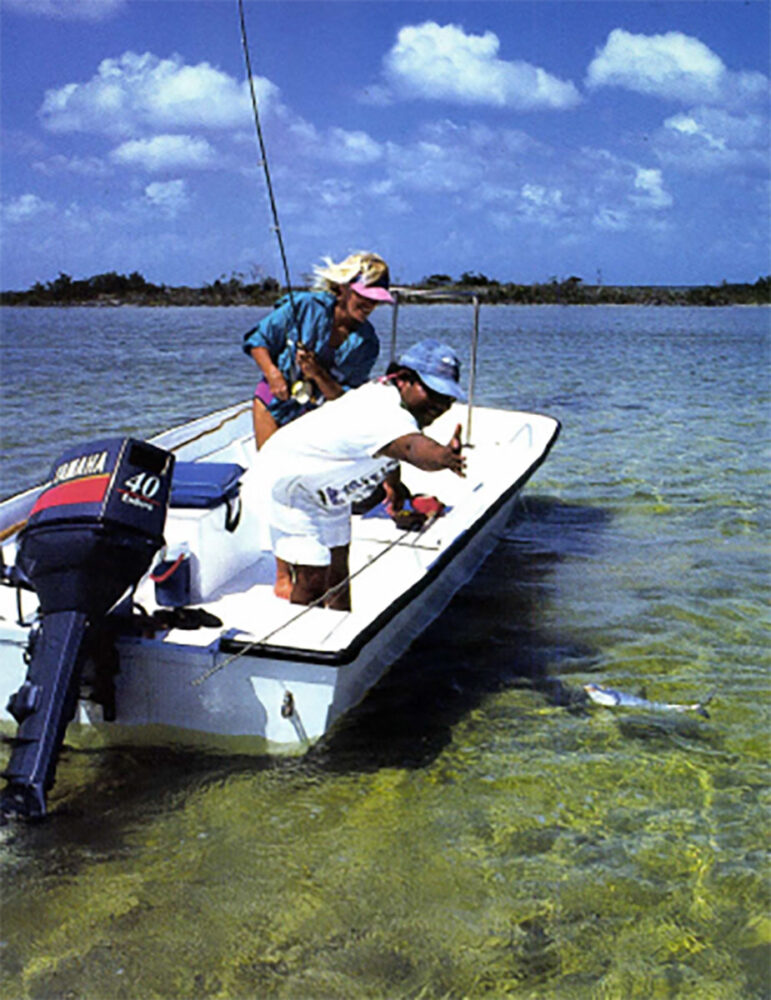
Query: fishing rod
point(300, 389)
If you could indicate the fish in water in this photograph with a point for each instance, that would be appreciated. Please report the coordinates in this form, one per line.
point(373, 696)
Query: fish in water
point(617, 699)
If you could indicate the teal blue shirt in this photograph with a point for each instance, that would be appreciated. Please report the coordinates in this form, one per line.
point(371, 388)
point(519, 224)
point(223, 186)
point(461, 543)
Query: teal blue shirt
point(350, 364)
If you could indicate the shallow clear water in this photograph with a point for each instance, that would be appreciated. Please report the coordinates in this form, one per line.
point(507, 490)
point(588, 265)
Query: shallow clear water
point(467, 831)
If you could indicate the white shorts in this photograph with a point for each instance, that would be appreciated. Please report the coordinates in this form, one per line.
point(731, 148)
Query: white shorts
point(304, 533)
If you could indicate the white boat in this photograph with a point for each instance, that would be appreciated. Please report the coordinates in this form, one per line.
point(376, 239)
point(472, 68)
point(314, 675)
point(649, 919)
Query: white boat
point(246, 663)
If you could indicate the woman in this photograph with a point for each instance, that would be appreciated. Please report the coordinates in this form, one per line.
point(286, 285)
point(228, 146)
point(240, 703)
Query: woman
point(316, 345)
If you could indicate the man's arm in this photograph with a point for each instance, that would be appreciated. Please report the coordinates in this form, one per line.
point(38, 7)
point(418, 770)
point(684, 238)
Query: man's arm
point(427, 454)
point(395, 490)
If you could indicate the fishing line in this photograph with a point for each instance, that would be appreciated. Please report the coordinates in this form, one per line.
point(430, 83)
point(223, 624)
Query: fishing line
point(318, 602)
point(266, 169)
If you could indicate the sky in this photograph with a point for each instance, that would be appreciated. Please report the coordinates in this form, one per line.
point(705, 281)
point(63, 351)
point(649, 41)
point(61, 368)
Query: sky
point(618, 142)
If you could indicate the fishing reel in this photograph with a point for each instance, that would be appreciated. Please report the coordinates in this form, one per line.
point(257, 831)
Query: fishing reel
point(303, 392)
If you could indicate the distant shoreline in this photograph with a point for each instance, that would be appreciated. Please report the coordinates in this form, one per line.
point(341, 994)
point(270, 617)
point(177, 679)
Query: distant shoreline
point(114, 290)
point(403, 300)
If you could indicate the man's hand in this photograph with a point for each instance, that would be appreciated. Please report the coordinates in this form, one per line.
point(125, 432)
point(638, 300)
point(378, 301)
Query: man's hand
point(425, 453)
point(456, 461)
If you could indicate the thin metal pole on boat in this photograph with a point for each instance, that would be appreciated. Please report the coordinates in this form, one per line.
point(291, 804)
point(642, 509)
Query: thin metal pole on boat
point(394, 323)
point(473, 368)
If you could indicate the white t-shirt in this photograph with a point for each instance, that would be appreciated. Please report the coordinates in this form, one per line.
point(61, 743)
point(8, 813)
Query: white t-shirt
point(328, 456)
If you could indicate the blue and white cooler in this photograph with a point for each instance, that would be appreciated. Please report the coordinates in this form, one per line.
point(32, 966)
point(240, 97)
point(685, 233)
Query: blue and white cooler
point(204, 546)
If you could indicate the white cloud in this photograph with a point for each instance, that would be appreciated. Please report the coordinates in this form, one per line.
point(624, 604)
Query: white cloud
point(170, 197)
point(472, 176)
point(650, 183)
point(711, 139)
point(136, 93)
point(672, 66)
point(436, 62)
point(613, 193)
point(530, 209)
point(540, 198)
point(25, 207)
point(387, 198)
point(165, 152)
point(431, 166)
point(686, 124)
point(506, 177)
point(67, 10)
point(455, 159)
point(354, 147)
point(611, 220)
point(335, 145)
point(333, 194)
point(84, 166)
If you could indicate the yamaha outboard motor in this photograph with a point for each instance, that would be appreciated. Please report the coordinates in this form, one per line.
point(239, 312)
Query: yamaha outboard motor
point(91, 535)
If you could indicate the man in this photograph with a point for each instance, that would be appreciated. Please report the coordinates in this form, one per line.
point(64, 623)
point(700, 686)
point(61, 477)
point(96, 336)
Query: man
point(316, 467)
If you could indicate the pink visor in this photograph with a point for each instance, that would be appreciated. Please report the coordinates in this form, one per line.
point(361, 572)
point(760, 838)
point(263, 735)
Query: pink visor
point(376, 292)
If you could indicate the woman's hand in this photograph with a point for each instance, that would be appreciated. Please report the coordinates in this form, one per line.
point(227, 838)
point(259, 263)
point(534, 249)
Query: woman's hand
point(271, 374)
point(309, 364)
point(277, 383)
point(313, 370)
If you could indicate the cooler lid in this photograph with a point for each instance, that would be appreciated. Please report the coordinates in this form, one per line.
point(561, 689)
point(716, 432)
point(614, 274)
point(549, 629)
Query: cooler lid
point(204, 484)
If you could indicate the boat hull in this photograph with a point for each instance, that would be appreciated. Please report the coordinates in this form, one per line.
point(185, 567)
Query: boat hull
point(228, 690)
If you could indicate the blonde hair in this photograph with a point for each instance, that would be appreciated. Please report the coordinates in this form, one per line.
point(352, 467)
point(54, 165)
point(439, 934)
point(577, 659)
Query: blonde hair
point(367, 267)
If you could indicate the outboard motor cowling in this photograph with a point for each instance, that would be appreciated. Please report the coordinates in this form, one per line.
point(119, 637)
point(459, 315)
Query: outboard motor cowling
point(92, 534)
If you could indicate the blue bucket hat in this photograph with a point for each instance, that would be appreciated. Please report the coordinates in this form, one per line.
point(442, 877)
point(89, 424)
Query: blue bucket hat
point(437, 365)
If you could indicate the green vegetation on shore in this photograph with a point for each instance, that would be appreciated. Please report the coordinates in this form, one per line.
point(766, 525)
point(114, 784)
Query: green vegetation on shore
point(114, 289)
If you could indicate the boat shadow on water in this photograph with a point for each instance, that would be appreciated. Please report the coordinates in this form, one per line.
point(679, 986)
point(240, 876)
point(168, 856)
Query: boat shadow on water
point(490, 637)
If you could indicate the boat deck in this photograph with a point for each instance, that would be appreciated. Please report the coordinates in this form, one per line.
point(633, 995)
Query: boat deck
point(252, 613)
point(244, 600)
